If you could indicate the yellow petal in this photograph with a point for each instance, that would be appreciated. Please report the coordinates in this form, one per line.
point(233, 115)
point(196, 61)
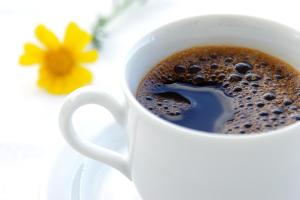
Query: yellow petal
point(89, 56)
point(47, 37)
point(57, 86)
point(32, 49)
point(64, 84)
point(44, 80)
point(50, 83)
point(28, 60)
point(32, 55)
point(75, 38)
point(81, 76)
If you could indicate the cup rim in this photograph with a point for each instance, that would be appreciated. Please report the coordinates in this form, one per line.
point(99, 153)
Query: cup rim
point(192, 132)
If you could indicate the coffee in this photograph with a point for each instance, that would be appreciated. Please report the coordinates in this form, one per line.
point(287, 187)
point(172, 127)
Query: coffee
point(223, 89)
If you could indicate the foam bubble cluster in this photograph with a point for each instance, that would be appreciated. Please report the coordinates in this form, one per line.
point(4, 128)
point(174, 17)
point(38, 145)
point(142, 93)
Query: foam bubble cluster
point(265, 91)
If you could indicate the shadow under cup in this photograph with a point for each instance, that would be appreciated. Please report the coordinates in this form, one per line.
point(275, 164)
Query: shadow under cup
point(241, 31)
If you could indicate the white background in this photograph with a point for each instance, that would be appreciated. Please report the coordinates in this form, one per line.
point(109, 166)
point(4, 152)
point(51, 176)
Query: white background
point(29, 136)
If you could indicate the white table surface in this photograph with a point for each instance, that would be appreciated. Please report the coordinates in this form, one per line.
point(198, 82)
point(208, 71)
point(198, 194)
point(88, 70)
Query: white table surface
point(29, 136)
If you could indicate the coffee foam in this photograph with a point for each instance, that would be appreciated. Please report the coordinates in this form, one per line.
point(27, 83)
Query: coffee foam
point(265, 91)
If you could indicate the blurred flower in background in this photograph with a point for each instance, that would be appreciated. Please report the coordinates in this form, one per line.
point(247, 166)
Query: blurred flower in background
point(60, 63)
point(60, 70)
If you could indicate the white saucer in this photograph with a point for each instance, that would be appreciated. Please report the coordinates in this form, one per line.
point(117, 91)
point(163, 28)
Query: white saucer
point(75, 177)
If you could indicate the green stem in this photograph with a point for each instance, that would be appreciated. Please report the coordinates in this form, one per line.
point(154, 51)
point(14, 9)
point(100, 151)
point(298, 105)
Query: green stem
point(102, 22)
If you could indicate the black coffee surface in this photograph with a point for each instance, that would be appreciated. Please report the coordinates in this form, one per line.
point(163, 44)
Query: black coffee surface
point(223, 89)
point(207, 103)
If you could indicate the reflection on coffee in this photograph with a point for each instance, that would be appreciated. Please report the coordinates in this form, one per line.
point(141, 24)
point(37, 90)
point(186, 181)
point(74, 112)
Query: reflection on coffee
point(223, 89)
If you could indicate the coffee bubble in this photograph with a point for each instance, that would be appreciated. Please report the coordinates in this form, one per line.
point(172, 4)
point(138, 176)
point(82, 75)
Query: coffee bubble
point(235, 77)
point(214, 66)
point(243, 67)
point(296, 117)
point(252, 77)
point(179, 69)
point(287, 102)
point(193, 69)
point(269, 96)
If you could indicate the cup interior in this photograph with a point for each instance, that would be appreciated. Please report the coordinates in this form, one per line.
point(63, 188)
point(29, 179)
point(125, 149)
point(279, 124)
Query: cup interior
point(264, 35)
point(242, 31)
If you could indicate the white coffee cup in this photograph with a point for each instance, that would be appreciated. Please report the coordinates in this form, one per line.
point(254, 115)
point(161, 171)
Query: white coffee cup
point(170, 162)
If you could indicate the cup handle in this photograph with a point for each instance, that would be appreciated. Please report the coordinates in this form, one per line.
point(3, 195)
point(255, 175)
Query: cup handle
point(90, 95)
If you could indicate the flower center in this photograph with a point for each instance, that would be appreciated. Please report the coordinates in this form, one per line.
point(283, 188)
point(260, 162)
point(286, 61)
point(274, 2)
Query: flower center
point(59, 61)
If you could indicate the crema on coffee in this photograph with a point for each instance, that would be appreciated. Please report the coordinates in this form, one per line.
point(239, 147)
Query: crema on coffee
point(223, 89)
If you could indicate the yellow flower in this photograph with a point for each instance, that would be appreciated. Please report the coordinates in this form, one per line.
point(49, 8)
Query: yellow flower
point(61, 69)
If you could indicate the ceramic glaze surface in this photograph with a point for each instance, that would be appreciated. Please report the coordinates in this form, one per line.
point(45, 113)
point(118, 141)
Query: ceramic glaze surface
point(170, 162)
